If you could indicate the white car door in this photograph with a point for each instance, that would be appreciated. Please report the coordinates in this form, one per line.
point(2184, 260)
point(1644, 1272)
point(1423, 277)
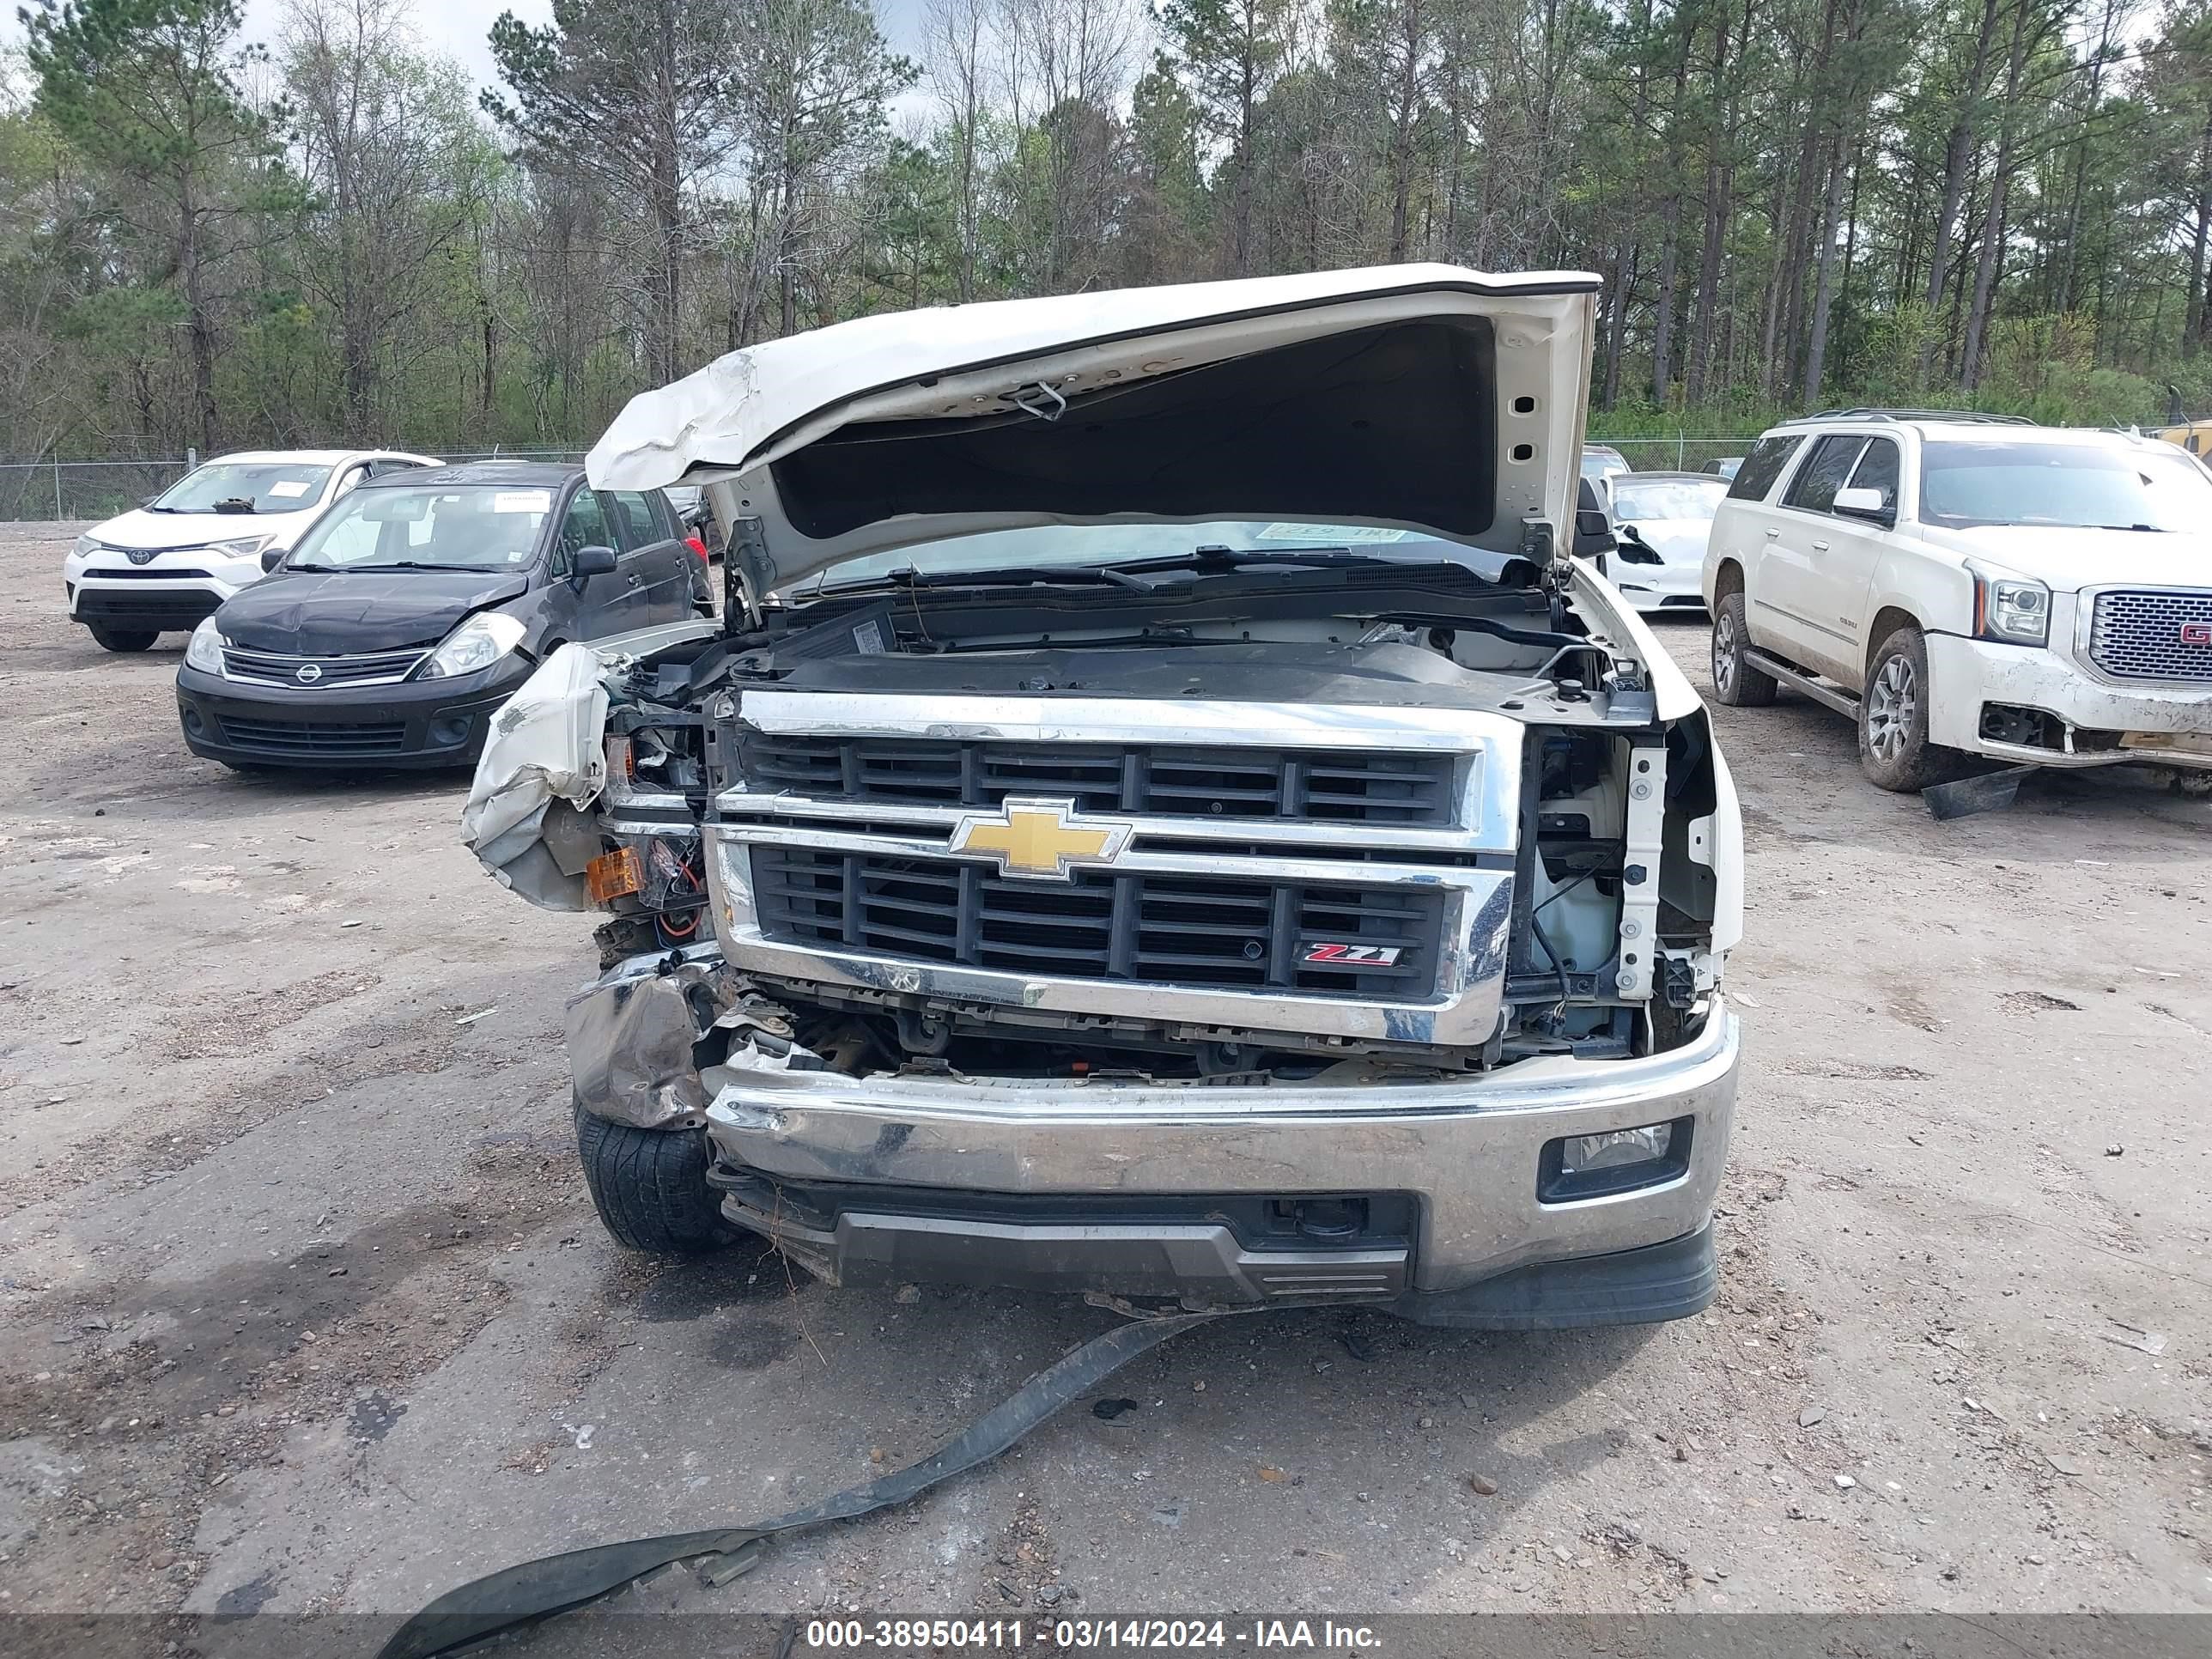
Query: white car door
point(1796, 616)
point(1840, 576)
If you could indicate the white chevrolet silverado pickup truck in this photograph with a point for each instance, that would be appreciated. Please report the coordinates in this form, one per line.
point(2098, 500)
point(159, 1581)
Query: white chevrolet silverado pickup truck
point(1972, 586)
point(1163, 815)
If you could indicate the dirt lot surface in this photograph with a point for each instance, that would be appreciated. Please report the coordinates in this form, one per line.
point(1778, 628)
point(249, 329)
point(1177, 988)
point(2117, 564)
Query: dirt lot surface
point(303, 1307)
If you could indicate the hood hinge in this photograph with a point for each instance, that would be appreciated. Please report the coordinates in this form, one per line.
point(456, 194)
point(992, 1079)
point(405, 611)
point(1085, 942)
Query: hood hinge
point(747, 573)
point(1540, 545)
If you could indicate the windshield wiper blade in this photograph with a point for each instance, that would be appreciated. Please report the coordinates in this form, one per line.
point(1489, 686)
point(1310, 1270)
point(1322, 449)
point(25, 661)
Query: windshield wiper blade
point(1073, 576)
point(1204, 559)
point(420, 565)
point(2152, 528)
point(1064, 575)
point(1119, 572)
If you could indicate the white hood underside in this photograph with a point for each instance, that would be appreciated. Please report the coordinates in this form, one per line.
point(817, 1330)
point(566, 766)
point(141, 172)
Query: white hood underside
point(1424, 397)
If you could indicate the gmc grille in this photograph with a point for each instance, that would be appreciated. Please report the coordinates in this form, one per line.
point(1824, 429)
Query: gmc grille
point(1187, 931)
point(1153, 780)
point(2137, 635)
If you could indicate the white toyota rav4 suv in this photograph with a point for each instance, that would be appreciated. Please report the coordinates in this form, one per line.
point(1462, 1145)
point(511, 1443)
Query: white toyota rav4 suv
point(167, 564)
point(1970, 586)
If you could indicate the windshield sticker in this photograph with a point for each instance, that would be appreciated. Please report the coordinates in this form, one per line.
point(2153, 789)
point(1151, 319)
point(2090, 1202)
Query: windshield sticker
point(1329, 534)
point(521, 500)
point(285, 489)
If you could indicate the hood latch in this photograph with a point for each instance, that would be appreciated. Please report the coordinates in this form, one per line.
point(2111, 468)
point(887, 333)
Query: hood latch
point(1039, 398)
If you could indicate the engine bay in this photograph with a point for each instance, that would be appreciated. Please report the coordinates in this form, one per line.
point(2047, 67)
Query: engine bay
point(1606, 951)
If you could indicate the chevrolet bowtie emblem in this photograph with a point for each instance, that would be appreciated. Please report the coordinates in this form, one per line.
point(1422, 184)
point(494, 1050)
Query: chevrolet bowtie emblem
point(1046, 839)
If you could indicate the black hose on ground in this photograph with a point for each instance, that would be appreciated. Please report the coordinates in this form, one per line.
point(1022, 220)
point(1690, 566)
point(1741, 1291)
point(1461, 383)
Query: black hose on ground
point(533, 1591)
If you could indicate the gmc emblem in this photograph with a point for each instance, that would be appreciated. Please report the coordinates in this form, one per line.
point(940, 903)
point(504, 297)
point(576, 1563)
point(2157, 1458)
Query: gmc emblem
point(2197, 633)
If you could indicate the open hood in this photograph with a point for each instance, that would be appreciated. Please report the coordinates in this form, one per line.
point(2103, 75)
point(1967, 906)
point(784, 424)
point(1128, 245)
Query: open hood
point(1424, 398)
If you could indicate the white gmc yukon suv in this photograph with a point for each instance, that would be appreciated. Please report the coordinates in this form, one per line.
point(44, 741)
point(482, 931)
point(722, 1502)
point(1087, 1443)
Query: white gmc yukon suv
point(1972, 586)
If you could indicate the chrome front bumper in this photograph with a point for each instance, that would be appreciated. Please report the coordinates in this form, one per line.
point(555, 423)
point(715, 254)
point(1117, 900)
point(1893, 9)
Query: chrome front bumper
point(1466, 1150)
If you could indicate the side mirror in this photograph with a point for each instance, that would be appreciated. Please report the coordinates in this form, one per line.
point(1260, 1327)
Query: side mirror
point(1592, 534)
point(1862, 504)
point(592, 562)
point(270, 558)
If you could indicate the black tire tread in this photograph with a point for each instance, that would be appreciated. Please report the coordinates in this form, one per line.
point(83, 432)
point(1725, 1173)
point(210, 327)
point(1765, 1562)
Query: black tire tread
point(123, 639)
point(649, 1186)
point(1751, 688)
point(1923, 764)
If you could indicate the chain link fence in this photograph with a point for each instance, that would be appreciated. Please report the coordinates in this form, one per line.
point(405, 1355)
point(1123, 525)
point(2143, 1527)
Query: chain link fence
point(81, 489)
point(1679, 453)
point(53, 489)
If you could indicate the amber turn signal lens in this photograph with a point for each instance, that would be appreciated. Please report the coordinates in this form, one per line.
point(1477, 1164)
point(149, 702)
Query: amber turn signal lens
point(612, 874)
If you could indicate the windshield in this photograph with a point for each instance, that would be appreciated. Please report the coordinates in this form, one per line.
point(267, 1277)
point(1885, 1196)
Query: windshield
point(1597, 462)
point(1636, 498)
point(471, 527)
point(1077, 545)
point(245, 487)
point(2081, 485)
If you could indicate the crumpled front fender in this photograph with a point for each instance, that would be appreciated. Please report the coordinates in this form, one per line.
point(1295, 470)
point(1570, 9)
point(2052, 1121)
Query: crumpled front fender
point(639, 1037)
point(547, 745)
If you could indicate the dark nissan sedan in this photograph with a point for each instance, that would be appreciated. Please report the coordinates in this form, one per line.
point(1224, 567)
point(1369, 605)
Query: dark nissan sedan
point(415, 606)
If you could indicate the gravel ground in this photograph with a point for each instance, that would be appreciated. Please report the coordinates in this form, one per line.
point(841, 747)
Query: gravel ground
point(303, 1307)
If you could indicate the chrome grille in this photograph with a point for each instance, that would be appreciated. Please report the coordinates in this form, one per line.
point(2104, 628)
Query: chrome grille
point(1205, 931)
point(276, 668)
point(1156, 780)
point(2147, 634)
point(1349, 874)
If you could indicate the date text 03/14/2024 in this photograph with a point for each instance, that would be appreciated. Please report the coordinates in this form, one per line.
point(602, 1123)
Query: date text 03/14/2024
point(939, 1635)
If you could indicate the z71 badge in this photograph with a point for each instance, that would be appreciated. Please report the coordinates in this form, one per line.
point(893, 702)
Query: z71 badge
point(1376, 955)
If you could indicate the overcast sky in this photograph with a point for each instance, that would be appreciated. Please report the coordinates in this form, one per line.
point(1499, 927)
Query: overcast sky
point(460, 28)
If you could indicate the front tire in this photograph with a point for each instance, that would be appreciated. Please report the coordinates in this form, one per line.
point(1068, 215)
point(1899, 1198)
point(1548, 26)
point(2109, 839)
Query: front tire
point(1895, 752)
point(650, 1188)
point(122, 639)
point(1735, 682)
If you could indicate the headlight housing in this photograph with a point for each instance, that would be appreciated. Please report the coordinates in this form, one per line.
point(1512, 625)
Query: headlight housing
point(85, 544)
point(2010, 610)
point(479, 642)
point(204, 650)
point(243, 547)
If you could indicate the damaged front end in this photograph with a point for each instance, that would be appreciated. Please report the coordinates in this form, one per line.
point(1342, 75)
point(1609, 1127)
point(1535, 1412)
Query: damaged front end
point(1228, 910)
point(1291, 997)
